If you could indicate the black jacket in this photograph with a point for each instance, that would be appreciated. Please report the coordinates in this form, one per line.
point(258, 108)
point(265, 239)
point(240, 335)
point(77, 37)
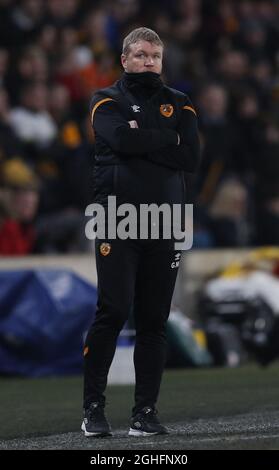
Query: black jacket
point(144, 165)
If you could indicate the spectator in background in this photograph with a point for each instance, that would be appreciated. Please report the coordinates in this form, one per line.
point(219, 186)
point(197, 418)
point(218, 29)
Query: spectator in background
point(47, 41)
point(122, 16)
point(217, 139)
point(95, 31)
point(59, 103)
point(19, 198)
point(183, 36)
point(188, 21)
point(69, 153)
point(223, 201)
point(253, 39)
point(66, 74)
point(23, 230)
point(261, 73)
point(31, 66)
point(62, 13)
point(267, 185)
point(24, 19)
point(228, 212)
point(10, 145)
point(85, 69)
point(102, 73)
point(31, 120)
point(69, 43)
point(233, 70)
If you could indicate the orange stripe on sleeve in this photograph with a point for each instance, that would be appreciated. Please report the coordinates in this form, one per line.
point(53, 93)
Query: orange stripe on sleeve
point(190, 108)
point(97, 106)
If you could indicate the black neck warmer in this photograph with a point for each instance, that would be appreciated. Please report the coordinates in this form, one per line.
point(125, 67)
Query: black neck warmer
point(147, 80)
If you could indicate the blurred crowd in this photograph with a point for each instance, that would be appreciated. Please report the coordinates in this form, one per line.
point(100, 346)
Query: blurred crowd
point(55, 53)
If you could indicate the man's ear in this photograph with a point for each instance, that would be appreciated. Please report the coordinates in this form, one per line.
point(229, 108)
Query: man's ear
point(124, 61)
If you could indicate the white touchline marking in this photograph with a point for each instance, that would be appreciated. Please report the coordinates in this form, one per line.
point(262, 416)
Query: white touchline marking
point(234, 438)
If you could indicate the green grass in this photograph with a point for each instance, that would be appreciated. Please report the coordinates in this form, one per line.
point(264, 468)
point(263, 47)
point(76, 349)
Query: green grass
point(33, 407)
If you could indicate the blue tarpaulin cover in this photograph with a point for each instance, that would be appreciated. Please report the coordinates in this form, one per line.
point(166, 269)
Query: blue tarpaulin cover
point(44, 316)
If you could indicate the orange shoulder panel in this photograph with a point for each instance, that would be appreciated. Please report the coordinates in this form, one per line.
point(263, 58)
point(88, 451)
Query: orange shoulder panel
point(97, 106)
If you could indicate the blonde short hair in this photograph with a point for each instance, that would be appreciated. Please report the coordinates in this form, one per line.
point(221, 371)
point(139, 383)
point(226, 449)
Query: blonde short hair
point(140, 34)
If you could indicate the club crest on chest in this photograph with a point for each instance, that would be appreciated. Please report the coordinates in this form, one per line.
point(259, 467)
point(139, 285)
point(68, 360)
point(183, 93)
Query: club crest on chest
point(105, 249)
point(166, 110)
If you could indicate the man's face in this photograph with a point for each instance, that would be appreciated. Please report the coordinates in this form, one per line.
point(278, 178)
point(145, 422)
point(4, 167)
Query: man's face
point(24, 204)
point(143, 56)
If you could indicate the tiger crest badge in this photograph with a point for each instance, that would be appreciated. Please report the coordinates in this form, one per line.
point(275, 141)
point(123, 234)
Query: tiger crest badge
point(166, 110)
point(105, 249)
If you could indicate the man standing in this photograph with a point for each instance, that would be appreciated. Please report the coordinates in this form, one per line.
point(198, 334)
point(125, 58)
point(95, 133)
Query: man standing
point(146, 138)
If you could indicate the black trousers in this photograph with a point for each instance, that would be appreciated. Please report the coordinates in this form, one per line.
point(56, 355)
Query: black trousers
point(138, 276)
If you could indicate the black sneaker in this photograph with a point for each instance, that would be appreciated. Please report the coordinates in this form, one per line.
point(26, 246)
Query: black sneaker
point(145, 423)
point(94, 422)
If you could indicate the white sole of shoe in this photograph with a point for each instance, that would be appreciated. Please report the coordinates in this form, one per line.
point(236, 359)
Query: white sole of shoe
point(137, 433)
point(93, 434)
